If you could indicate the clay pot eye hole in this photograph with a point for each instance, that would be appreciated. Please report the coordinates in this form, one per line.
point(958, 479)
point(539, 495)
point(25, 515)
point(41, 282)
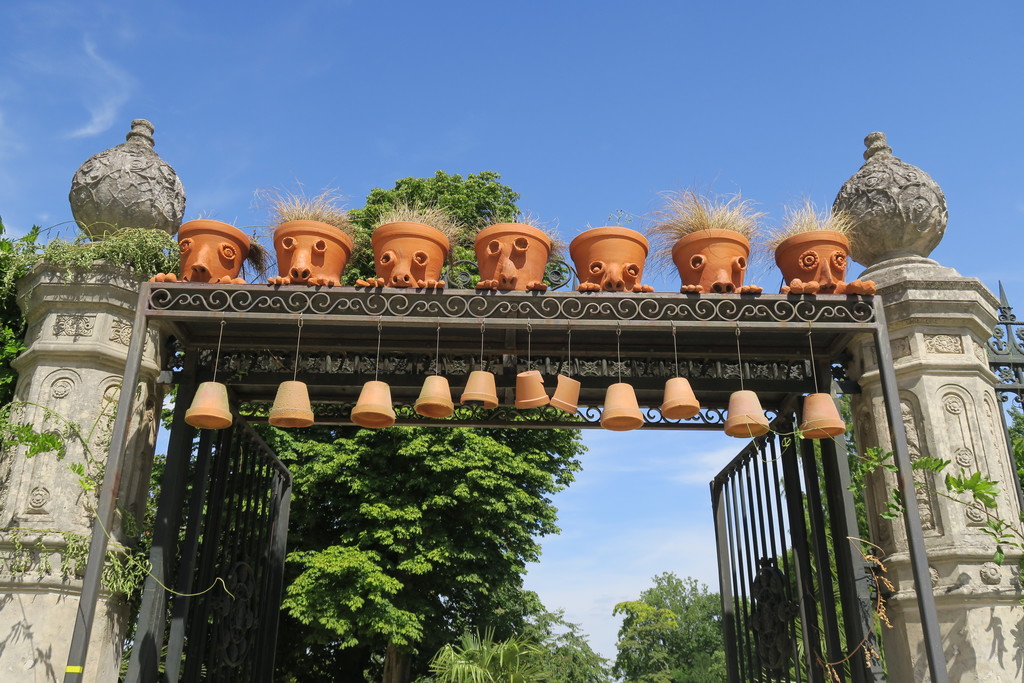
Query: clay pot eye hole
point(493, 247)
point(420, 257)
point(227, 251)
point(320, 246)
point(596, 267)
point(288, 243)
point(697, 262)
point(520, 244)
point(632, 269)
point(741, 263)
point(387, 257)
point(839, 259)
point(184, 246)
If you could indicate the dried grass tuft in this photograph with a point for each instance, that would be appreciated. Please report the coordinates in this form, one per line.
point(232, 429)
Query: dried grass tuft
point(297, 206)
point(686, 212)
point(549, 228)
point(434, 216)
point(257, 260)
point(807, 218)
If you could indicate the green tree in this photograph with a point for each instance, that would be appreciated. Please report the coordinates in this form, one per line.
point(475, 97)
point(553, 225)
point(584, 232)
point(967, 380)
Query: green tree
point(568, 656)
point(672, 634)
point(16, 257)
point(403, 539)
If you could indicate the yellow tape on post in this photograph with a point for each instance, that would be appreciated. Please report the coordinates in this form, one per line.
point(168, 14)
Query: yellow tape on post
point(73, 670)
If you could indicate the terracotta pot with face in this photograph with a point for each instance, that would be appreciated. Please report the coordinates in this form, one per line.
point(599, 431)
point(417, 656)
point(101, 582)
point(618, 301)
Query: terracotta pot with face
point(211, 251)
point(512, 256)
point(610, 259)
point(713, 261)
point(814, 262)
point(408, 254)
point(310, 253)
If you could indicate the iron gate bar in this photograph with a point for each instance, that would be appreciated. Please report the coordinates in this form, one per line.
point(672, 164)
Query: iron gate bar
point(776, 324)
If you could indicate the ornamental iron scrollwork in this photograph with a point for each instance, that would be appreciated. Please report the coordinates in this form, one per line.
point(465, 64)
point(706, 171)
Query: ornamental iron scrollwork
point(464, 274)
point(1006, 352)
point(772, 616)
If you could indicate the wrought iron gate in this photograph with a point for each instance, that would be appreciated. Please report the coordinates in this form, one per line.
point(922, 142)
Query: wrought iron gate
point(796, 602)
point(230, 565)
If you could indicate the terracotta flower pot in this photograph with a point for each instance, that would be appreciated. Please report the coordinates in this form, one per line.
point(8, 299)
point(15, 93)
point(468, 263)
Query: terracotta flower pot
point(210, 408)
point(374, 409)
point(745, 419)
point(211, 251)
point(435, 399)
point(512, 256)
point(815, 263)
point(610, 259)
point(621, 412)
point(310, 253)
point(291, 406)
point(408, 255)
point(530, 390)
point(481, 389)
point(821, 419)
point(713, 261)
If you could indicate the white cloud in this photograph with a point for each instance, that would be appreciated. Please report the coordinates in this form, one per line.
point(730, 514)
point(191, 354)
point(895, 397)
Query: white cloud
point(108, 89)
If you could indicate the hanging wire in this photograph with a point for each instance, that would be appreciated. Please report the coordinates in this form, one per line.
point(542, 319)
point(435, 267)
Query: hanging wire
point(618, 350)
point(675, 350)
point(298, 338)
point(739, 358)
point(529, 344)
point(216, 360)
point(814, 370)
point(376, 363)
point(482, 324)
point(568, 347)
point(437, 350)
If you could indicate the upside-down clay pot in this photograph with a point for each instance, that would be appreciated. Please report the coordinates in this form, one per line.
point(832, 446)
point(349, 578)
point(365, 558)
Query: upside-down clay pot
point(481, 389)
point(210, 408)
point(745, 419)
point(712, 260)
point(610, 259)
point(407, 254)
point(291, 406)
point(679, 402)
point(821, 418)
point(814, 262)
point(435, 399)
point(621, 411)
point(310, 253)
point(567, 394)
point(530, 390)
point(374, 409)
point(512, 256)
point(211, 251)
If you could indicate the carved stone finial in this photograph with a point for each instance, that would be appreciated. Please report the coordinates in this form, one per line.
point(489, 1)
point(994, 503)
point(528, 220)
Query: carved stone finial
point(898, 209)
point(127, 186)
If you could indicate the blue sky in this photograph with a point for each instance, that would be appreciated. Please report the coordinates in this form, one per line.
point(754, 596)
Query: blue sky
point(585, 108)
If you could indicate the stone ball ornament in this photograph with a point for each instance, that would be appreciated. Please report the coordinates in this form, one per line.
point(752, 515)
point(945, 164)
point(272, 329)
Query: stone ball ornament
point(899, 210)
point(127, 186)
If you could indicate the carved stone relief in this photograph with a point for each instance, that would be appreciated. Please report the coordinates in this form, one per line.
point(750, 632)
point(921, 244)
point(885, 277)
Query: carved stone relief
point(990, 574)
point(121, 331)
point(74, 325)
point(924, 480)
point(900, 348)
point(38, 499)
point(960, 440)
point(943, 343)
point(62, 387)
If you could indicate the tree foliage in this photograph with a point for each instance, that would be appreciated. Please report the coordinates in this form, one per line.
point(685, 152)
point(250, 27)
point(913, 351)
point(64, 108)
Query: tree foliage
point(481, 659)
point(672, 634)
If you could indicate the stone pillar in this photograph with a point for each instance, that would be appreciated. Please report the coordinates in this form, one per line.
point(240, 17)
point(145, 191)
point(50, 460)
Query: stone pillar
point(69, 380)
point(939, 323)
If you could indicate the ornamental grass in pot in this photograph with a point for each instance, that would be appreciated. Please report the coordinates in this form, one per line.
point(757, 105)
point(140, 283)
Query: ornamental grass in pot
point(514, 256)
point(812, 250)
point(410, 247)
point(707, 238)
point(313, 238)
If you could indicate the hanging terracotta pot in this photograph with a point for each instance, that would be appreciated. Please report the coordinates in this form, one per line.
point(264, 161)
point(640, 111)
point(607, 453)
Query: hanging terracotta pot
point(481, 389)
point(621, 411)
point(211, 251)
point(374, 409)
point(746, 418)
point(530, 390)
point(815, 262)
point(291, 406)
point(610, 259)
point(567, 394)
point(435, 398)
point(512, 256)
point(407, 254)
point(713, 261)
point(210, 408)
point(679, 402)
point(821, 419)
point(310, 253)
